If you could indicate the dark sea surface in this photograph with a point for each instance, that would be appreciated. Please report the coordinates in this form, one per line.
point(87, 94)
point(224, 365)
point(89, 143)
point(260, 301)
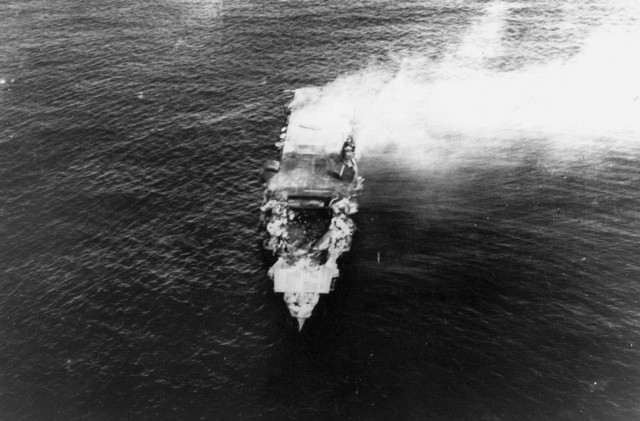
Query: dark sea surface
point(495, 273)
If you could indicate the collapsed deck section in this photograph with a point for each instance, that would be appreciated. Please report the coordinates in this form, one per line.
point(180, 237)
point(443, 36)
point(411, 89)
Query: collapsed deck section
point(308, 176)
point(314, 162)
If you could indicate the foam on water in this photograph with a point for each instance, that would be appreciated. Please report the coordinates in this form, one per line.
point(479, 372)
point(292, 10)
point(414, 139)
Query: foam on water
point(475, 101)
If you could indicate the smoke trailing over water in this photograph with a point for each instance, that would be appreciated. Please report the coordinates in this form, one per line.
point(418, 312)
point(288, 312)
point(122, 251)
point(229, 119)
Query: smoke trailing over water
point(573, 90)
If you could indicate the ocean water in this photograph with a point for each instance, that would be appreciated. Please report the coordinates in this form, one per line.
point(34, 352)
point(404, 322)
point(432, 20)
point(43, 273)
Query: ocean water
point(494, 274)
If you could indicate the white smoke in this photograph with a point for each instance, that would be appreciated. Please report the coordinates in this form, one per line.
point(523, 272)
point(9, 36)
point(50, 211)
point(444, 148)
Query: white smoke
point(464, 105)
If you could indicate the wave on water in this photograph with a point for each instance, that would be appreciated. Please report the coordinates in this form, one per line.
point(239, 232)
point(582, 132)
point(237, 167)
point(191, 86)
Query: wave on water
point(476, 100)
point(198, 10)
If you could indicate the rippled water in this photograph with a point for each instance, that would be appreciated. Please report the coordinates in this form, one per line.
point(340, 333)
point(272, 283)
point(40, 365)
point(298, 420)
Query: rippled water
point(494, 275)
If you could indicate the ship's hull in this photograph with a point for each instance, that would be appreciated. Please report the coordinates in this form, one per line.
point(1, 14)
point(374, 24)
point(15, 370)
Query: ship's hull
point(310, 194)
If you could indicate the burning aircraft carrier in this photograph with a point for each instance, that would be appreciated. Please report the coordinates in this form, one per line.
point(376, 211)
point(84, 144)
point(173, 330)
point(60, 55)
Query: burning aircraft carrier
point(310, 194)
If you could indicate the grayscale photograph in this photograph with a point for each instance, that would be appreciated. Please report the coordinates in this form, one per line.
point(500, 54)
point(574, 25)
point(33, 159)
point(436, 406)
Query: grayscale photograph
point(300, 210)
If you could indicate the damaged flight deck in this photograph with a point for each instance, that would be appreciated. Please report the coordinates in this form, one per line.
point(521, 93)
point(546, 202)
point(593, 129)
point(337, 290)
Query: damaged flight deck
point(311, 193)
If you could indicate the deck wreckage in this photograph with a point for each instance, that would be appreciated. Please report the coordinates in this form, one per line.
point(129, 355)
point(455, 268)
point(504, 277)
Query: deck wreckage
point(310, 194)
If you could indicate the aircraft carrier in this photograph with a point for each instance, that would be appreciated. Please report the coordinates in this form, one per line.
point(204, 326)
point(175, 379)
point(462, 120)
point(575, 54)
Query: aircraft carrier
point(310, 194)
